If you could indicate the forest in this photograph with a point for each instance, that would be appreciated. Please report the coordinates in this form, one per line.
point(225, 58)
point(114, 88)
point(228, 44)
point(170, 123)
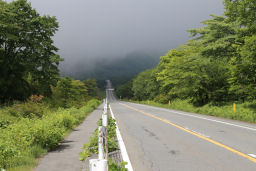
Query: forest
point(118, 70)
point(216, 67)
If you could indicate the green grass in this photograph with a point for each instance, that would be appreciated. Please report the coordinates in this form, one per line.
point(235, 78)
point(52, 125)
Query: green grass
point(92, 146)
point(24, 139)
point(244, 111)
point(31, 160)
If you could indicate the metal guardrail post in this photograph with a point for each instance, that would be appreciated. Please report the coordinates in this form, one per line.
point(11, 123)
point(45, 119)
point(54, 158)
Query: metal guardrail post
point(101, 164)
point(100, 144)
point(98, 165)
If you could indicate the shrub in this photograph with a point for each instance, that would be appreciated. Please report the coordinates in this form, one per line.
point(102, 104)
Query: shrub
point(161, 99)
point(48, 134)
point(28, 138)
point(93, 103)
point(28, 109)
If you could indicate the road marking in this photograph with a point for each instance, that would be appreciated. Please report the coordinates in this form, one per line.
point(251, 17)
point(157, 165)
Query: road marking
point(252, 155)
point(213, 120)
point(122, 145)
point(193, 133)
point(197, 132)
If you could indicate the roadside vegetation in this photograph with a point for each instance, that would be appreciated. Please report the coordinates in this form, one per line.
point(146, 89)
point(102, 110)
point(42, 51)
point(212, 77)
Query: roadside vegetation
point(243, 111)
point(92, 147)
point(31, 128)
point(38, 108)
point(24, 139)
point(209, 73)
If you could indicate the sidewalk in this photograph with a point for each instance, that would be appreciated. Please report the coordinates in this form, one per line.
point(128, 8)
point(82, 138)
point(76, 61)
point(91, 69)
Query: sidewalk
point(66, 157)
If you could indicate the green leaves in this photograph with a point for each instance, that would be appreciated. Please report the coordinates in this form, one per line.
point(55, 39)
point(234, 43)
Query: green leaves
point(145, 85)
point(218, 65)
point(69, 92)
point(21, 138)
point(27, 50)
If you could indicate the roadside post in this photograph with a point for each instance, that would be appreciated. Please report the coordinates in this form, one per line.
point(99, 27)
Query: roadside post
point(101, 164)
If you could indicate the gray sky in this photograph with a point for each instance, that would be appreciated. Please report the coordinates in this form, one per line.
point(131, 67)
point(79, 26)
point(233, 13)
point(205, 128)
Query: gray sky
point(91, 29)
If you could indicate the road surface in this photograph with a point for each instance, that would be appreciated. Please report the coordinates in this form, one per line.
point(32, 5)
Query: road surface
point(162, 139)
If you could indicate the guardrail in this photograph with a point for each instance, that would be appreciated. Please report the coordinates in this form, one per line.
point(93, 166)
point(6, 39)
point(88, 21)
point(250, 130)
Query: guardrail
point(101, 164)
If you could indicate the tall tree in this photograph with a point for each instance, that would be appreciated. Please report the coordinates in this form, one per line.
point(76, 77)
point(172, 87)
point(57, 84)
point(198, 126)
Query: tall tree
point(92, 87)
point(29, 63)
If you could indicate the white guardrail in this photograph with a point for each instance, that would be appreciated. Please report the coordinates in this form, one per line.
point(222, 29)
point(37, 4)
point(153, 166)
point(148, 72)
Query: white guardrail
point(101, 164)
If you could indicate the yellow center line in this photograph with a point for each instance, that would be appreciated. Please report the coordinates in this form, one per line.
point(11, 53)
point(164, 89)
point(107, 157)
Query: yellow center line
point(193, 133)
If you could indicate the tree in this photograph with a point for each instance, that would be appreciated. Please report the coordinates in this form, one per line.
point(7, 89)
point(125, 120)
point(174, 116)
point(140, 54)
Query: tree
point(242, 12)
point(145, 85)
point(29, 63)
point(125, 90)
point(243, 71)
point(69, 92)
point(91, 86)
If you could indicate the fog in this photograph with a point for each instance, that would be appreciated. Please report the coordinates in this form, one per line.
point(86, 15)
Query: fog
point(106, 29)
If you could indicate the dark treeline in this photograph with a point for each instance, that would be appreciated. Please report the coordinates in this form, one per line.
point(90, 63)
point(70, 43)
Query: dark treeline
point(118, 70)
point(217, 66)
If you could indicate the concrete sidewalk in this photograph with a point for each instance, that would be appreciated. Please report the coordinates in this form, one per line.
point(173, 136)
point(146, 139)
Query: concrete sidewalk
point(66, 157)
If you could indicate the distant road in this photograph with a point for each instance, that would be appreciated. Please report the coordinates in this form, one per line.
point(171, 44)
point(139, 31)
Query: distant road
point(162, 139)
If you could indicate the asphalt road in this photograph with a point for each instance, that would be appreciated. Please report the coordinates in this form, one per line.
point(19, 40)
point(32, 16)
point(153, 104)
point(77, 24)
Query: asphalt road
point(162, 139)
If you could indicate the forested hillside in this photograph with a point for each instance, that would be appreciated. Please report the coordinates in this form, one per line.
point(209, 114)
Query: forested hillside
point(217, 66)
point(118, 70)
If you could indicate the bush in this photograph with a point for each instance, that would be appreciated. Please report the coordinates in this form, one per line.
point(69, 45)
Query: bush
point(48, 135)
point(161, 99)
point(31, 137)
point(92, 146)
point(93, 103)
point(28, 109)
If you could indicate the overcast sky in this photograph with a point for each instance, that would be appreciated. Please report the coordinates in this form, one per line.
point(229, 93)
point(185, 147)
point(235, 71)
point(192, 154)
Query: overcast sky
point(92, 29)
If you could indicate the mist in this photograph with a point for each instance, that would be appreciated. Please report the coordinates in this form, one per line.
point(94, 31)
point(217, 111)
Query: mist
point(103, 30)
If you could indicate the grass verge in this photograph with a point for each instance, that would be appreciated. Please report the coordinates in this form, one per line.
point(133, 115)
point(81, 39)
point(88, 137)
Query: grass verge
point(243, 111)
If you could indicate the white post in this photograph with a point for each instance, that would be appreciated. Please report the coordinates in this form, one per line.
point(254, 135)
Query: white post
point(98, 165)
point(105, 108)
point(101, 150)
point(104, 120)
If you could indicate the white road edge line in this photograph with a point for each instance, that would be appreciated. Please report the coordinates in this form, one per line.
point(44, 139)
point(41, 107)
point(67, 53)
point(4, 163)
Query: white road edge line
point(197, 132)
point(121, 145)
point(252, 155)
point(213, 120)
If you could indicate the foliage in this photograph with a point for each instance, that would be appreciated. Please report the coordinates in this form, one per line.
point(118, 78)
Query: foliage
point(125, 90)
point(115, 167)
point(28, 109)
point(92, 87)
point(216, 67)
point(28, 59)
point(92, 147)
point(28, 138)
point(140, 86)
point(69, 92)
point(244, 111)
